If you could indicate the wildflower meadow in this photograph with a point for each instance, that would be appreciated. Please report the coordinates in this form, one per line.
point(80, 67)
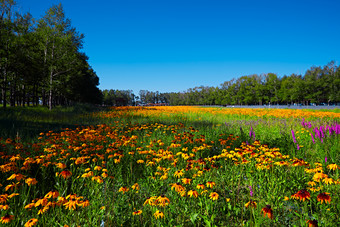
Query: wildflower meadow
point(176, 166)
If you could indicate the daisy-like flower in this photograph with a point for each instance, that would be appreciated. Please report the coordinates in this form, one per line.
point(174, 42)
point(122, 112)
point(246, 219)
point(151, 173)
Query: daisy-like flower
point(193, 193)
point(210, 184)
point(200, 186)
point(41, 202)
point(178, 187)
point(124, 189)
point(214, 195)
point(312, 223)
point(301, 195)
point(162, 201)
point(328, 181)
point(7, 218)
point(178, 173)
point(186, 180)
point(137, 212)
point(318, 176)
point(61, 165)
point(54, 194)
point(324, 197)
point(17, 176)
point(71, 203)
point(31, 222)
point(150, 201)
point(251, 203)
point(267, 211)
point(333, 166)
point(84, 203)
point(158, 214)
point(65, 174)
point(31, 181)
point(4, 207)
point(3, 198)
point(135, 187)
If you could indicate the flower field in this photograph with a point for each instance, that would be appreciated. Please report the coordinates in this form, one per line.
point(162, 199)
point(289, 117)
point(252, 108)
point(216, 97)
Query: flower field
point(177, 166)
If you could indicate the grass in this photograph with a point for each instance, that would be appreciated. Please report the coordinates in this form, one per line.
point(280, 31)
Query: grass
point(174, 166)
point(28, 122)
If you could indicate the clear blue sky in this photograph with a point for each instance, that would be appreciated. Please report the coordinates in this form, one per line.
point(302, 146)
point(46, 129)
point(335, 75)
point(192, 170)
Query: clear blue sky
point(173, 45)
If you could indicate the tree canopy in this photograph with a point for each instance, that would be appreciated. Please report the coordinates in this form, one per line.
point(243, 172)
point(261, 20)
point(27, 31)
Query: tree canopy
point(41, 60)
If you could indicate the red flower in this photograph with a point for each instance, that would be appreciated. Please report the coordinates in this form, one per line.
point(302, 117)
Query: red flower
point(302, 195)
point(324, 197)
point(267, 210)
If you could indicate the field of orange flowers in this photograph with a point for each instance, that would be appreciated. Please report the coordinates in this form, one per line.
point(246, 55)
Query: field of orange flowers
point(177, 166)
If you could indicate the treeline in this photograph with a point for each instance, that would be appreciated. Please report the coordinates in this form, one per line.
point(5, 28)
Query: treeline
point(319, 85)
point(41, 60)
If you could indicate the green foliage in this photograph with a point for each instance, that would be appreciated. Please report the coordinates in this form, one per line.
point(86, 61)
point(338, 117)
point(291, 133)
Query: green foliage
point(41, 60)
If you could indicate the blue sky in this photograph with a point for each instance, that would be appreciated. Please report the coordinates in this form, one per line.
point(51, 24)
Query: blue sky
point(173, 45)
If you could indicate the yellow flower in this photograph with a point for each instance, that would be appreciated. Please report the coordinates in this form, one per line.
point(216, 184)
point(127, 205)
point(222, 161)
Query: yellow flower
point(200, 186)
point(178, 173)
point(18, 177)
point(7, 218)
point(210, 184)
point(193, 193)
point(251, 203)
point(186, 180)
point(213, 196)
point(158, 214)
point(31, 222)
point(137, 212)
point(124, 189)
point(31, 181)
point(333, 166)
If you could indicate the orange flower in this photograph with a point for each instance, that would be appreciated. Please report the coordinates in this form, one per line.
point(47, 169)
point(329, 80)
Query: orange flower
point(312, 223)
point(210, 184)
point(4, 207)
point(324, 197)
point(124, 189)
point(18, 177)
point(301, 195)
point(61, 165)
point(31, 222)
point(31, 181)
point(3, 198)
point(162, 201)
point(186, 180)
point(200, 186)
point(137, 212)
point(71, 203)
point(214, 196)
point(267, 210)
point(333, 166)
point(41, 202)
point(193, 193)
point(251, 203)
point(158, 214)
point(66, 174)
point(178, 187)
point(53, 194)
point(7, 218)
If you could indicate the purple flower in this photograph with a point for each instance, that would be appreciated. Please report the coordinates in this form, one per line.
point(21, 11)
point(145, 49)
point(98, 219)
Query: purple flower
point(325, 158)
point(251, 191)
point(293, 136)
point(297, 146)
point(312, 137)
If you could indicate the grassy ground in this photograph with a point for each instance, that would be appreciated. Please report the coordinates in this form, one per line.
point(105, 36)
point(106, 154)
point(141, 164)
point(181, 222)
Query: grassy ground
point(28, 122)
point(171, 166)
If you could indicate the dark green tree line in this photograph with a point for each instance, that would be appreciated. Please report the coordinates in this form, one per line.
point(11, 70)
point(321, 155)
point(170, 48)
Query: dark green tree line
point(319, 85)
point(41, 60)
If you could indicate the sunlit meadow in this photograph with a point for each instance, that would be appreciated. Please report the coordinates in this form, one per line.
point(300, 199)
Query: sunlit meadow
point(177, 166)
